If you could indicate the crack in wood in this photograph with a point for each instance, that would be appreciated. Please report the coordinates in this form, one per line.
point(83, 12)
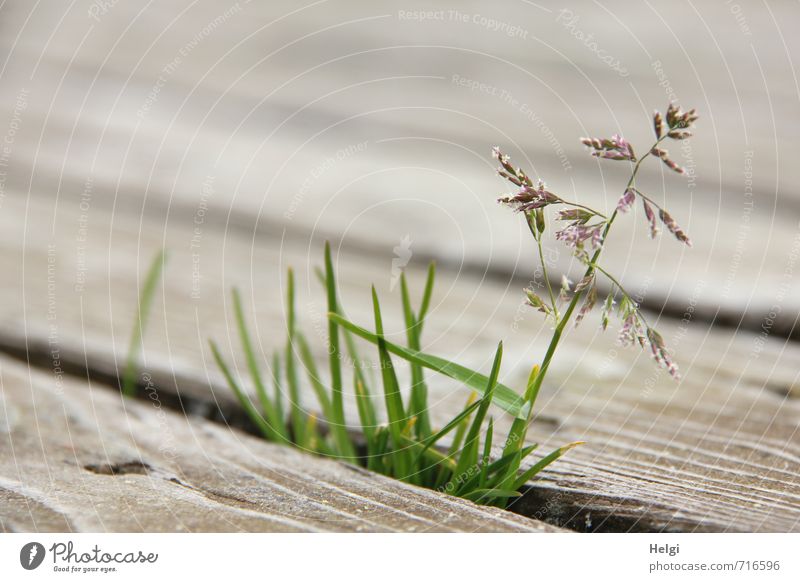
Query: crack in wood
point(584, 512)
point(230, 414)
point(126, 468)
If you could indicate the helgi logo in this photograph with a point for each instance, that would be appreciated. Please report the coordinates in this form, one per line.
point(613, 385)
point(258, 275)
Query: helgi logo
point(31, 555)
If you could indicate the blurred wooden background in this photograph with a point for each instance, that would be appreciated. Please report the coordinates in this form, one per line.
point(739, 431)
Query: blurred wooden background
point(240, 136)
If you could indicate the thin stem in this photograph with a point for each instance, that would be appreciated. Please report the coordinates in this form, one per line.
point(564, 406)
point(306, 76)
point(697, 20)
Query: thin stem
point(621, 288)
point(547, 279)
point(650, 200)
point(559, 330)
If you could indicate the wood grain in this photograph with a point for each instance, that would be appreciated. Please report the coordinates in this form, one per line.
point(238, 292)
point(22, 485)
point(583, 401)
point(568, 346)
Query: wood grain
point(277, 129)
point(347, 122)
point(718, 451)
point(95, 463)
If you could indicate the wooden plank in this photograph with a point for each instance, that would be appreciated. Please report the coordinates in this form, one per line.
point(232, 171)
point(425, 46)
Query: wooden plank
point(78, 458)
point(717, 452)
point(264, 101)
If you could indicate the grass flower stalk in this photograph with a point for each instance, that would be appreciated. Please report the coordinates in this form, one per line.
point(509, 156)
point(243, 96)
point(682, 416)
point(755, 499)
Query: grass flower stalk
point(588, 226)
point(397, 438)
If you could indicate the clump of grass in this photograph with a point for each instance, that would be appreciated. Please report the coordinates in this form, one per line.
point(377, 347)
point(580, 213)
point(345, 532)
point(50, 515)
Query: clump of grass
point(401, 443)
point(146, 294)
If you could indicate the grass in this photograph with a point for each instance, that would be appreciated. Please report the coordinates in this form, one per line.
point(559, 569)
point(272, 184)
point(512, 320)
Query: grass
point(400, 442)
point(146, 294)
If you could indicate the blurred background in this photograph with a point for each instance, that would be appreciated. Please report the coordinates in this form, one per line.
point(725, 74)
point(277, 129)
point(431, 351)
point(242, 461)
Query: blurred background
point(242, 135)
point(373, 125)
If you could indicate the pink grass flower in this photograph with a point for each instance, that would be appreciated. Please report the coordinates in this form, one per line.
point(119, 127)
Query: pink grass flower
point(673, 227)
point(615, 148)
point(626, 201)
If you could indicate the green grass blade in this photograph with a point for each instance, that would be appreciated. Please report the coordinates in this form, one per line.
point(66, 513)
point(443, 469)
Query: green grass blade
point(434, 456)
point(418, 402)
point(295, 408)
point(277, 392)
point(368, 418)
point(487, 496)
point(265, 428)
point(497, 470)
point(315, 441)
point(271, 414)
point(408, 312)
point(458, 438)
point(421, 396)
point(519, 431)
point(140, 322)
point(455, 422)
point(468, 460)
point(487, 451)
point(461, 431)
point(366, 411)
point(337, 422)
point(392, 397)
point(532, 390)
point(366, 407)
point(350, 344)
point(544, 462)
point(355, 358)
point(383, 462)
point(426, 296)
point(307, 359)
point(504, 397)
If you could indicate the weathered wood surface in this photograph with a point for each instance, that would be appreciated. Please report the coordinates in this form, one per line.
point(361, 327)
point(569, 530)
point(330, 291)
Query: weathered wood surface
point(717, 452)
point(228, 167)
point(259, 98)
point(94, 463)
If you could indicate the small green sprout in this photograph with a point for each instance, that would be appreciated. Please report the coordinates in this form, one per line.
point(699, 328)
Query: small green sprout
point(146, 294)
point(404, 445)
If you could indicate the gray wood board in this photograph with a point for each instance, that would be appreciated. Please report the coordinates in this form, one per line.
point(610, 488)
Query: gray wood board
point(345, 120)
point(75, 457)
point(716, 452)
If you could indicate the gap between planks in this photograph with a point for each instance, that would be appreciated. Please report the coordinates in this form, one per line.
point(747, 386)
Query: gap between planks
point(83, 459)
point(726, 388)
